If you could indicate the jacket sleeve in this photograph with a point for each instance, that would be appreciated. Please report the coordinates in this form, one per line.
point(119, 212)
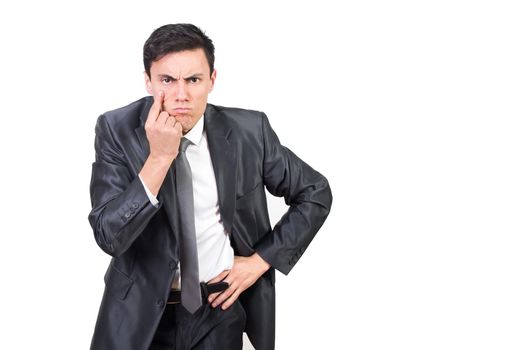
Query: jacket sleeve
point(120, 206)
point(306, 192)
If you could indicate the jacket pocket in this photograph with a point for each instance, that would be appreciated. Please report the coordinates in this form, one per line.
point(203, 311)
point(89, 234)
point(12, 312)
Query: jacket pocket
point(117, 282)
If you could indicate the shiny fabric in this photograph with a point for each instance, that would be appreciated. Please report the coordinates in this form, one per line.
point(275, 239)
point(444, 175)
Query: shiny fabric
point(206, 329)
point(143, 239)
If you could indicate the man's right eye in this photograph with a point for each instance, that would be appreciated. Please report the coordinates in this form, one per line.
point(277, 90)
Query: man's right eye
point(166, 80)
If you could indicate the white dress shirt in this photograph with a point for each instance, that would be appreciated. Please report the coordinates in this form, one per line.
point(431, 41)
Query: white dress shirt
point(215, 253)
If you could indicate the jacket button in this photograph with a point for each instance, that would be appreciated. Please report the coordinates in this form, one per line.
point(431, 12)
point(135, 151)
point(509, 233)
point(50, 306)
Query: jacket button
point(135, 205)
point(172, 265)
point(127, 215)
point(160, 303)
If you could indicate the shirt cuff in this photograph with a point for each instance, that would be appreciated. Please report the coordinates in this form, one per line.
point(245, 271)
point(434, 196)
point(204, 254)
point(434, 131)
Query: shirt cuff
point(152, 198)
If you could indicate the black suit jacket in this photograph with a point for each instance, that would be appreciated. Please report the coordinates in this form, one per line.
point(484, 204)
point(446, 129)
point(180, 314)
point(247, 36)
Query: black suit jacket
point(247, 157)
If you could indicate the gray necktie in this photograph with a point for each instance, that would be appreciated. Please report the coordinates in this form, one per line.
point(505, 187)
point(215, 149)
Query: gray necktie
point(190, 288)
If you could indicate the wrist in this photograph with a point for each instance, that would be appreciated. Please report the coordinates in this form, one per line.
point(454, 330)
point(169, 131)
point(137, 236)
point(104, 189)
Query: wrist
point(264, 265)
point(154, 172)
point(162, 160)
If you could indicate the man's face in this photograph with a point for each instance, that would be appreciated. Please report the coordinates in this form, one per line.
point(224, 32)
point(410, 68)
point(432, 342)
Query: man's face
point(185, 80)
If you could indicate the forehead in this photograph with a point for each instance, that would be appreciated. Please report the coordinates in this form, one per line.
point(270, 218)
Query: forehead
point(182, 63)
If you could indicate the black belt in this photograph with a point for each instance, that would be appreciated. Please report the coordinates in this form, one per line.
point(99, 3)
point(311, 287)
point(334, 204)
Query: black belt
point(205, 288)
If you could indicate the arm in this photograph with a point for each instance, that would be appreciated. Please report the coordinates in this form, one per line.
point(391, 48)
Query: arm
point(306, 192)
point(121, 207)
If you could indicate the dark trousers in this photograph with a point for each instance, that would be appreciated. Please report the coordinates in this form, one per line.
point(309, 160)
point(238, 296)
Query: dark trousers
point(206, 329)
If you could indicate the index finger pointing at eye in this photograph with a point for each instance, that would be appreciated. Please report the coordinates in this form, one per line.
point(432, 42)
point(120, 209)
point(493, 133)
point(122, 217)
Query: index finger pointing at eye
point(156, 108)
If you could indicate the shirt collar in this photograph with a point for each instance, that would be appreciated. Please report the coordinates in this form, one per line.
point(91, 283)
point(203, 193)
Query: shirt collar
point(195, 134)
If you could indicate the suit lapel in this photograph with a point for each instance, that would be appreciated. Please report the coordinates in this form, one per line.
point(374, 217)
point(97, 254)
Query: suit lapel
point(167, 196)
point(222, 149)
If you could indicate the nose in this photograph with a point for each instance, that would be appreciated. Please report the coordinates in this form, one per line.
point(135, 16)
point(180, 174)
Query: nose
point(181, 91)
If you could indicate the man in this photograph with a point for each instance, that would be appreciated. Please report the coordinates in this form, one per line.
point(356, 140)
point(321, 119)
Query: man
point(178, 199)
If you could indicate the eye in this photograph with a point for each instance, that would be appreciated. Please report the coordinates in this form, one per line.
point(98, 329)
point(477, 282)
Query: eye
point(166, 80)
point(194, 80)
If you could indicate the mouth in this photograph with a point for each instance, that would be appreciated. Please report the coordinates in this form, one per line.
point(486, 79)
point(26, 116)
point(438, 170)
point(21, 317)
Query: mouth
point(181, 110)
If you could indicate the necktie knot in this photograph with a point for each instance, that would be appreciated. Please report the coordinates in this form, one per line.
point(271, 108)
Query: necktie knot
point(184, 144)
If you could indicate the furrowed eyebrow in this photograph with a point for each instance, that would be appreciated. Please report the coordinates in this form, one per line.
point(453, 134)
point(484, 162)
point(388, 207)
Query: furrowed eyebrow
point(197, 75)
point(162, 76)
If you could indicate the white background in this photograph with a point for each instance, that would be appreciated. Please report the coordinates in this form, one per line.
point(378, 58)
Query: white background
point(412, 109)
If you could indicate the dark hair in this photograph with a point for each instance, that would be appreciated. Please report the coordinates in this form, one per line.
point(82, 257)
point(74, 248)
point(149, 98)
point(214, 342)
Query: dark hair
point(175, 38)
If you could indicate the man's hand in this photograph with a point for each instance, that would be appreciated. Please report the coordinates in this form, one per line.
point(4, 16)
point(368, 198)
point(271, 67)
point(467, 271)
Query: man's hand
point(245, 272)
point(163, 131)
point(163, 134)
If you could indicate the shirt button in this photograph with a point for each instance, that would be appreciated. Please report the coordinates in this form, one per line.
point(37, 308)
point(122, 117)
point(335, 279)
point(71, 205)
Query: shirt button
point(160, 303)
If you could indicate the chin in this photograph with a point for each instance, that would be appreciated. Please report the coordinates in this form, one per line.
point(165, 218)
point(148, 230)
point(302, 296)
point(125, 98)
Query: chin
point(184, 119)
point(186, 126)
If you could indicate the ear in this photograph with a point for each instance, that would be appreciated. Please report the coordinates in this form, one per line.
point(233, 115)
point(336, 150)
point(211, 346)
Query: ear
point(149, 86)
point(213, 78)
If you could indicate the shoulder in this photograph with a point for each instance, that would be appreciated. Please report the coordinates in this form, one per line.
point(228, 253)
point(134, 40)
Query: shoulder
point(131, 111)
point(127, 117)
point(237, 117)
